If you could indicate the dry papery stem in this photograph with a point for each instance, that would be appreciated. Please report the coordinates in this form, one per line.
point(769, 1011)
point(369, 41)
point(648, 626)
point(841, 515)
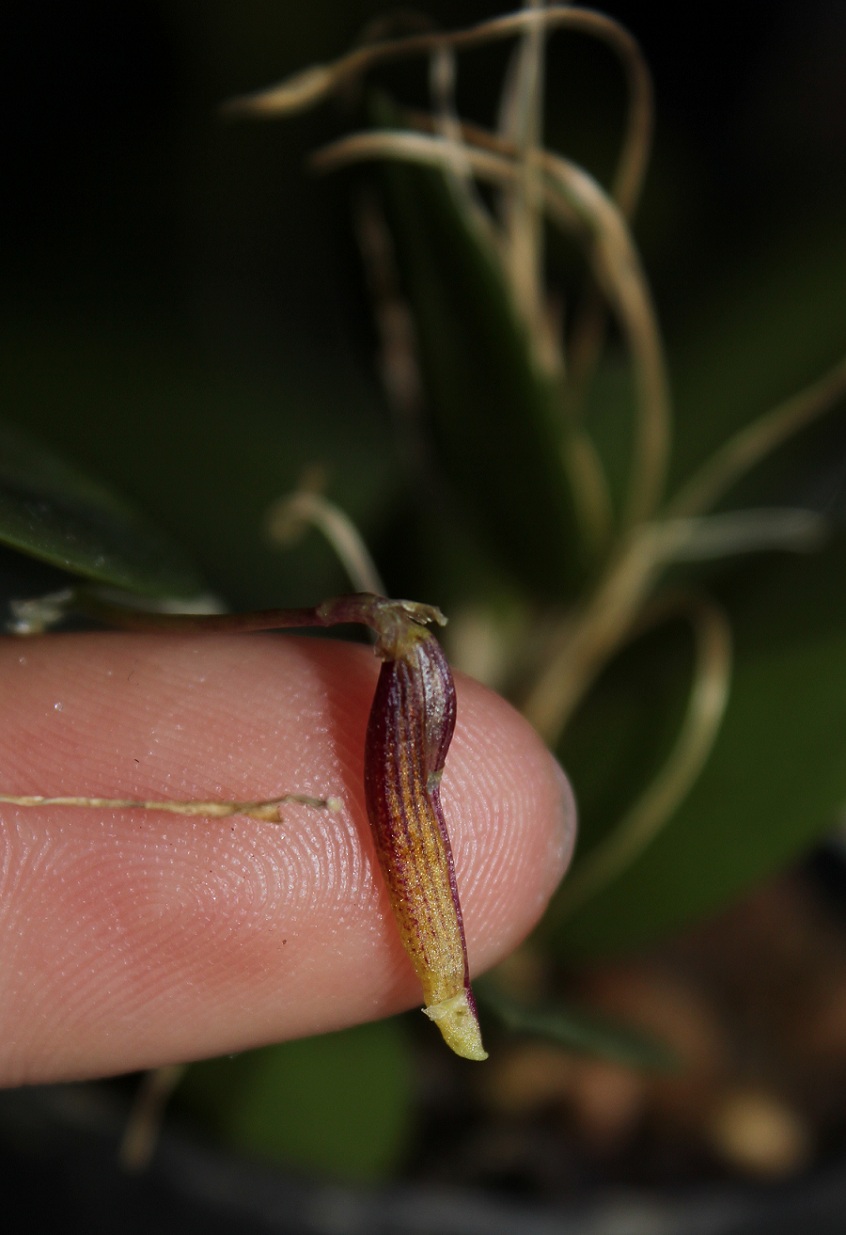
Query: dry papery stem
point(308, 506)
point(604, 620)
point(268, 811)
point(757, 440)
point(532, 180)
point(312, 86)
point(617, 608)
point(709, 695)
point(138, 1143)
point(575, 201)
point(591, 635)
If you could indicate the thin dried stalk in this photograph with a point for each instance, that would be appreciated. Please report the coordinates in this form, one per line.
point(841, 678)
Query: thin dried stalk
point(644, 820)
point(289, 517)
point(521, 125)
point(748, 447)
point(589, 485)
point(587, 638)
point(397, 358)
point(268, 811)
point(745, 531)
point(572, 198)
point(311, 86)
point(442, 77)
point(588, 330)
point(138, 1143)
point(617, 269)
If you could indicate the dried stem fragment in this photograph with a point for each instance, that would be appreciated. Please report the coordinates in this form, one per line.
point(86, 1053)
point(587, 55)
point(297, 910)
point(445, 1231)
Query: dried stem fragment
point(268, 811)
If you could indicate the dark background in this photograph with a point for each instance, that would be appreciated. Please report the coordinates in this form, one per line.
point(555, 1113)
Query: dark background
point(182, 307)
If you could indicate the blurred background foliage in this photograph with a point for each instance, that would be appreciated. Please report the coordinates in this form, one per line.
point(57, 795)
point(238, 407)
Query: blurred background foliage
point(184, 315)
point(183, 308)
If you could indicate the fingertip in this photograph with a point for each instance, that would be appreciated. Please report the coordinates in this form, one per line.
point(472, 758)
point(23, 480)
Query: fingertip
point(137, 940)
point(512, 815)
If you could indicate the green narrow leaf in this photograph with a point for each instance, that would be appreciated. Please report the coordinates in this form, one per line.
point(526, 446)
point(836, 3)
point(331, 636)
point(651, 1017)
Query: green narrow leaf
point(338, 1104)
point(763, 331)
point(52, 512)
point(208, 442)
point(579, 1031)
point(496, 421)
point(775, 780)
point(624, 731)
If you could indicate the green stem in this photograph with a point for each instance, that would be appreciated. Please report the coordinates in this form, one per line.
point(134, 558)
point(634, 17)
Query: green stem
point(389, 619)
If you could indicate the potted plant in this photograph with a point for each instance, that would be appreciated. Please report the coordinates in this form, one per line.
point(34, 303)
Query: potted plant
point(649, 569)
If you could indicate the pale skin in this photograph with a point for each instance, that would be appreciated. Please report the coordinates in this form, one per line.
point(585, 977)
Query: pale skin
point(129, 940)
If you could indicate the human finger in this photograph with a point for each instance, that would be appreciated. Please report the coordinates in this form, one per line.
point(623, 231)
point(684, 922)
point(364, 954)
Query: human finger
point(132, 939)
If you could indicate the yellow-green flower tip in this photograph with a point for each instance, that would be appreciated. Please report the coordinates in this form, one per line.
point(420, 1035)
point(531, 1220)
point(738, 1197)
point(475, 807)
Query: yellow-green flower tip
point(459, 1025)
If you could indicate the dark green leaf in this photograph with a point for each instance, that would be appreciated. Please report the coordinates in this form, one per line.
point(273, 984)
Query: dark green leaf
point(338, 1104)
point(52, 512)
point(762, 333)
point(496, 422)
point(208, 440)
point(774, 782)
point(625, 729)
point(578, 1030)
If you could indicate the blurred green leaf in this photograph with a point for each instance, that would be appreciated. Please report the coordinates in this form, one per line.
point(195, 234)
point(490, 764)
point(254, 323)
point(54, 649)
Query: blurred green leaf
point(496, 421)
point(611, 418)
point(761, 333)
point(52, 512)
point(624, 730)
point(774, 782)
point(208, 441)
point(338, 1104)
point(579, 1031)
